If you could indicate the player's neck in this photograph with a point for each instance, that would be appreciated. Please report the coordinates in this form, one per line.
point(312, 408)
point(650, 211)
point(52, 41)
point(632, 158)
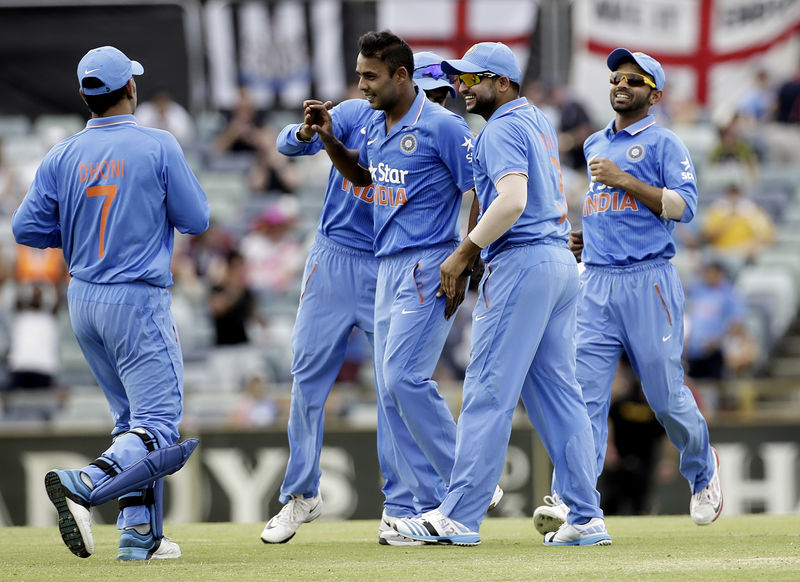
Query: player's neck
point(401, 107)
point(124, 107)
point(626, 120)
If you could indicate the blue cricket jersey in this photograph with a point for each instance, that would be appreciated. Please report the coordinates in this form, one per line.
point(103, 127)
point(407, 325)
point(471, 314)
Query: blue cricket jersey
point(346, 216)
point(518, 138)
point(420, 169)
point(617, 228)
point(110, 197)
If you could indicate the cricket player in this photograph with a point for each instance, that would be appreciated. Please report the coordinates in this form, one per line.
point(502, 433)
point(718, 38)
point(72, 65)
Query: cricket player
point(418, 157)
point(338, 295)
point(642, 181)
point(524, 323)
point(110, 197)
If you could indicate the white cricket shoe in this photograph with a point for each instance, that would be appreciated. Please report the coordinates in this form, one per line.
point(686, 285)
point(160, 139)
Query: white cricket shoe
point(435, 527)
point(496, 497)
point(593, 533)
point(297, 511)
point(387, 536)
point(70, 495)
point(706, 505)
point(550, 516)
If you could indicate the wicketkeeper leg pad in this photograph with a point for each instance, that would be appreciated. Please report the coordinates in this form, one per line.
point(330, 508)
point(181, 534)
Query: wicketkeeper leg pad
point(155, 465)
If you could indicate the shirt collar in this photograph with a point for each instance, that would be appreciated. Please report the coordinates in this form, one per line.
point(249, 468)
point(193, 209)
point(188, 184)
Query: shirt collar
point(111, 120)
point(510, 106)
point(637, 127)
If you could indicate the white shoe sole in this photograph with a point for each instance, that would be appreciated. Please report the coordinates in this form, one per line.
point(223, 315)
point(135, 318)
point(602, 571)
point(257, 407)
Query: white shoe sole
point(546, 520)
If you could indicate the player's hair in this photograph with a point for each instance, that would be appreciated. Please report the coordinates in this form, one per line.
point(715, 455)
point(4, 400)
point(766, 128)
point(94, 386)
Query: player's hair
point(389, 48)
point(99, 104)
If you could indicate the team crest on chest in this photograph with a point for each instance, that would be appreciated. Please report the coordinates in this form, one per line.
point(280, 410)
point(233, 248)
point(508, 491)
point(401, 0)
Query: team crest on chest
point(408, 143)
point(635, 152)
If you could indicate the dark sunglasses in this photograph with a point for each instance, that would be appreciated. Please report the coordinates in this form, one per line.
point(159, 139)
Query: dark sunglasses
point(632, 79)
point(434, 72)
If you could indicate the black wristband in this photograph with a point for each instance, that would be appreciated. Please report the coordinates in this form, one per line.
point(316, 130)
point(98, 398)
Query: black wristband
point(300, 137)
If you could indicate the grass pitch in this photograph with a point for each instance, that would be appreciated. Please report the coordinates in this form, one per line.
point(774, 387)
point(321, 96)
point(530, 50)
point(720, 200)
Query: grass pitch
point(751, 547)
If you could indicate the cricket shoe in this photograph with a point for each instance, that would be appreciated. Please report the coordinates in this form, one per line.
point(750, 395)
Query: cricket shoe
point(496, 497)
point(550, 516)
point(297, 511)
point(136, 546)
point(435, 527)
point(70, 495)
point(706, 505)
point(388, 537)
point(593, 533)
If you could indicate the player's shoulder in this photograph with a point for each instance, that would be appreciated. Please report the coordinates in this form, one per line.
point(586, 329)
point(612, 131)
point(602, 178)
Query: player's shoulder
point(155, 136)
point(440, 119)
point(353, 107)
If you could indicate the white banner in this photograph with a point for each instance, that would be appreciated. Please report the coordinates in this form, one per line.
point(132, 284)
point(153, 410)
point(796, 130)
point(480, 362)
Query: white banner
point(710, 49)
point(450, 27)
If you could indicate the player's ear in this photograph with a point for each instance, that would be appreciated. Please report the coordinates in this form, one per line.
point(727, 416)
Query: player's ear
point(402, 73)
point(655, 96)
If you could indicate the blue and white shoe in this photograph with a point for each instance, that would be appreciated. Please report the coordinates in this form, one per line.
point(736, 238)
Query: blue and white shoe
point(593, 533)
point(435, 527)
point(136, 546)
point(70, 495)
point(387, 536)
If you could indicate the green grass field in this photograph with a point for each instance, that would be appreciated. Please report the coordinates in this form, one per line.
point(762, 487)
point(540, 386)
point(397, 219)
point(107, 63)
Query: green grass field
point(752, 547)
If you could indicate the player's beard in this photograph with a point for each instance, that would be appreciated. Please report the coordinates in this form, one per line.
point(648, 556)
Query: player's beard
point(483, 105)
point(638, 101)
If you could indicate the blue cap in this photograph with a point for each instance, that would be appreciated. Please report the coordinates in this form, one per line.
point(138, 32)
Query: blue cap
point(110, 65)
point(492, 57)
point(648, 64)
point(427, 79)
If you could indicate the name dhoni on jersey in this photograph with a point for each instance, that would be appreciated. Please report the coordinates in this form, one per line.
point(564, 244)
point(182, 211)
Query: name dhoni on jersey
point(104, 169)
point(383, 195)
point(614, 201)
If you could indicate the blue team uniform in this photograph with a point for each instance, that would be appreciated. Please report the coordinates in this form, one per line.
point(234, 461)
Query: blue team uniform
point(338, 295)
point(420, 169)
point(631, 296)
point(111, 197)
point(523, 347)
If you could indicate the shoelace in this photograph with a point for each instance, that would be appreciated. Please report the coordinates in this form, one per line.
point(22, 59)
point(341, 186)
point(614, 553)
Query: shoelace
point(288, 513)
point(552, 500)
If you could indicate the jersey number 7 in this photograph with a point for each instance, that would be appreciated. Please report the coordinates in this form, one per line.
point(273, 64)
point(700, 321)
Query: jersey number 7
point(110, 192)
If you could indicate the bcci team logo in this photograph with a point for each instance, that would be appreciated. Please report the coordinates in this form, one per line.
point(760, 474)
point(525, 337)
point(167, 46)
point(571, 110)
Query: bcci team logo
point(635, 153)
point(408, 143)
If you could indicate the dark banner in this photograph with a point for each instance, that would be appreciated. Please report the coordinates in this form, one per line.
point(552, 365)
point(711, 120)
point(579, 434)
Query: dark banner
point(40, 48)
point(232, 477)
point(237, 476)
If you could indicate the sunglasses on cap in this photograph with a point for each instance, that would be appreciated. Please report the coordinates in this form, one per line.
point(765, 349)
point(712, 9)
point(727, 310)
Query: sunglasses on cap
point(632, 79)
point(470, 79)
point(434, 72)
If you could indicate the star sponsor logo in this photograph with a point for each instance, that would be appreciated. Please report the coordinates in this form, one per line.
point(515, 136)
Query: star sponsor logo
point(687, 174)
point(385, 173)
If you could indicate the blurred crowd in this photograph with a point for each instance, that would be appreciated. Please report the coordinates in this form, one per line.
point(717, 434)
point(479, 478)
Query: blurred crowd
point(237, 286)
